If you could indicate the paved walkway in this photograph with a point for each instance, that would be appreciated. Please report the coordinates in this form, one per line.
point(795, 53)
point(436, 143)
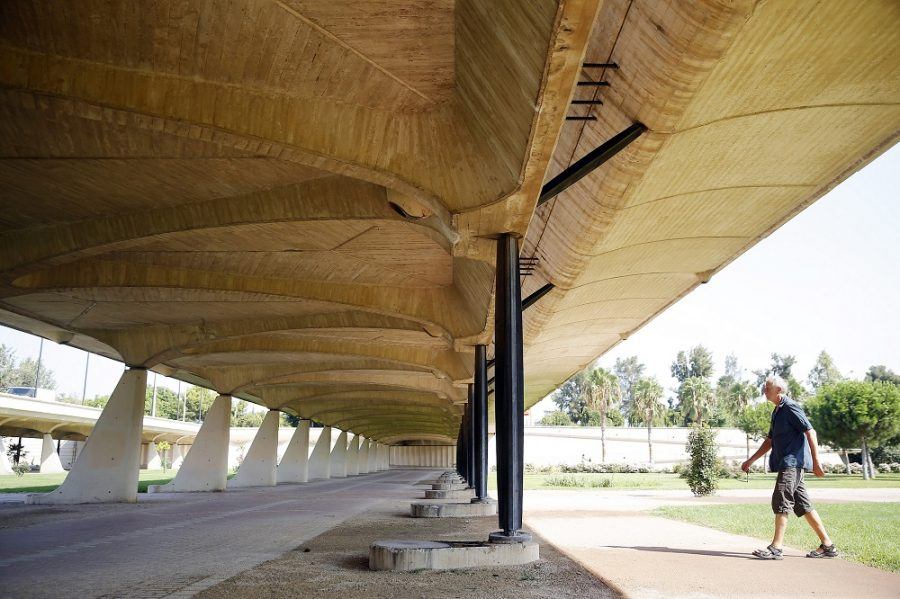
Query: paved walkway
point(175, 544)
point(644, 556)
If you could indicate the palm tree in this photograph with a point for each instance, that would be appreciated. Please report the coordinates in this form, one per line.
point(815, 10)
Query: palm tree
point(603, 393)
point(646, 406)
point(696, 397)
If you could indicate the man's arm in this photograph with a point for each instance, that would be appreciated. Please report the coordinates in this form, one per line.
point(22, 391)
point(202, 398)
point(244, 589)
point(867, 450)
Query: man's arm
point(814, 451)
point(766, 446)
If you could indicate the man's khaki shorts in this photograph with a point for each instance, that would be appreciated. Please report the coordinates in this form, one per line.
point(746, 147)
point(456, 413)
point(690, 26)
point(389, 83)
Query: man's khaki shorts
point(790, 493)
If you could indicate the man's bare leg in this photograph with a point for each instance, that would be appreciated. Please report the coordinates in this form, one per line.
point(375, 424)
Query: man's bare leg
point(812, 517)
point(781, 521)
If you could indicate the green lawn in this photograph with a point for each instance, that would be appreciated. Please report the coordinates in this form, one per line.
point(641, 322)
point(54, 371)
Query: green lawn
point(672, 481)
point(868, 533)
point(44, 483)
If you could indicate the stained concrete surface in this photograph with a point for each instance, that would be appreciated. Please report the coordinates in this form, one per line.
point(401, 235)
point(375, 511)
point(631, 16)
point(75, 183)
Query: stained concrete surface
point(176, 544)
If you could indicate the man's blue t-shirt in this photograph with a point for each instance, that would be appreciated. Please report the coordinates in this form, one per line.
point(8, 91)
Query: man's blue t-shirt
point(787, 432)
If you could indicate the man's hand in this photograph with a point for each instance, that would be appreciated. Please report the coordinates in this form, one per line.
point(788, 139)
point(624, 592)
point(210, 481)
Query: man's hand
point(817, 470)
point(746, 466)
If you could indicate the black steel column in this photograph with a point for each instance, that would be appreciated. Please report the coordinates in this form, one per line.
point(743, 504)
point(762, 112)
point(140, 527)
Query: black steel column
point(470, 433)
point(509, 397)
point(480, 420)
point(459, 452)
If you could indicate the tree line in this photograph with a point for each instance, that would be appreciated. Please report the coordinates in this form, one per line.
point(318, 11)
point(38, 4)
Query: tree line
point(848, 415)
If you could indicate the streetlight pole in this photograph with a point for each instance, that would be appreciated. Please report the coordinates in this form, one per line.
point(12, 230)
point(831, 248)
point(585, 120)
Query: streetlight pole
point(37, 371)
point(87, 361)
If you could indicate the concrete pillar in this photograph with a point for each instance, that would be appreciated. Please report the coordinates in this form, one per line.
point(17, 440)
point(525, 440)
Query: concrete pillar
point(259, 466)
point(386, 463)
point(373, 456)
point(178, 453)
point(294, 466)
point(205, 468)
point(320, 459)
point(107, 469)
point(353, 457)
point(339, 457)
point(363, 456)
point(5, 465)
point(154, 462)
point(49, 458)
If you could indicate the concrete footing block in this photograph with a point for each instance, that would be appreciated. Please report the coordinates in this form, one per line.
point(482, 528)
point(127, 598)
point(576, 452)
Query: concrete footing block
point(407, 556)
point(426, 509)
point(465, 494)
point(442, 486)
point(260, 464)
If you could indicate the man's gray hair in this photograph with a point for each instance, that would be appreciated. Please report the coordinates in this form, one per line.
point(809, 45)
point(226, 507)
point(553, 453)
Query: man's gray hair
point(776, 381)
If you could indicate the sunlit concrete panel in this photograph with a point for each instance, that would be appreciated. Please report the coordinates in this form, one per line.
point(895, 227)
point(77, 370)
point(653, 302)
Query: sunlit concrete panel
point(205, 468)
point(353, 456)
point(107, 469)
point(320, 459)
point(5, 465)
point(153, 461)
point(339, 457)
point(363, 456)
point(294, 465)
point(49, 458)
point(259, 466)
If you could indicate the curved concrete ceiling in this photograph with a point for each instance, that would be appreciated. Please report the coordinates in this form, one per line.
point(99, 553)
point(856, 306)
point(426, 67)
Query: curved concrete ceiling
point(294, 201)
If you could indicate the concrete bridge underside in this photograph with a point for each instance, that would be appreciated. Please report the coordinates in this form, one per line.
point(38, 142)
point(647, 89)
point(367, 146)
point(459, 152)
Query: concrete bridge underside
point(295, 202)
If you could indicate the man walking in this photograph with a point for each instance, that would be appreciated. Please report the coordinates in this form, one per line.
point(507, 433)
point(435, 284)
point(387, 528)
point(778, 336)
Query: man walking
point(794, 449)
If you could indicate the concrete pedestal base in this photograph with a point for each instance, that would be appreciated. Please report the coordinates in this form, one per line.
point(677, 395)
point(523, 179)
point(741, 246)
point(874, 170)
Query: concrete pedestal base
point(407, 556)
point(425, 509)
point(464, 494)
point(449, 486)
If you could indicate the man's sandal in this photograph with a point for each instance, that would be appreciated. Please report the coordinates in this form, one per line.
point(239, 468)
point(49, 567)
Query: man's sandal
point(769, 552)
point(823, 551)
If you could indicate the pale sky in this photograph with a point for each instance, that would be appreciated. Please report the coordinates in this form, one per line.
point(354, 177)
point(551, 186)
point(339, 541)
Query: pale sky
point(828, 279)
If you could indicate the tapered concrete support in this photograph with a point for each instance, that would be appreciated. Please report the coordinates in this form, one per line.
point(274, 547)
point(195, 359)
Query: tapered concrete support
point(179, 452)
point(373, 456)
point(5, 465)
point(385, 457)
point(49, 458)
point(107, 469)
point(353, 456)
point(258, 467)
point(339, 457)
point(294, 466)
point(363, 456)
point(154, 462)
point(205, 468)
point(320, 460)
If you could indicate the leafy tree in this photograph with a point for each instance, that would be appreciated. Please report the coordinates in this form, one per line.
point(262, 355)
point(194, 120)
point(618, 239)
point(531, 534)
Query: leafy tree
point(27, 370)
point(696, 397)
point(732, 396)
point(98, 401)
point(556, 418)
point(647, 407)
point(703, 452)
point(603, 394)
point(882, 373)
point(781, 366)
point(290, 420)
point(851, 412)
point(162, 448)
point(7, 367)
point(199, 400)
point(824, 372)
point(570, 398)
point(168, 404)
point(628, 370)
point(697, 363)
point(241, 417)
point(754, 420)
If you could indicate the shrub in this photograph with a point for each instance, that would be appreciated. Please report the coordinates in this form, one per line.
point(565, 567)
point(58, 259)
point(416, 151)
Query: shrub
point(702, 470)
point(576, 481)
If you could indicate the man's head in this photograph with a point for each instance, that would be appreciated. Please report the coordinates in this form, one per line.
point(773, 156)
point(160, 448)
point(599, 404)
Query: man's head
point(774, 388)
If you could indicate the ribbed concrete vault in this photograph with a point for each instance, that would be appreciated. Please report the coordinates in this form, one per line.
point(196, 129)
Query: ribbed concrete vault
point(296, 202)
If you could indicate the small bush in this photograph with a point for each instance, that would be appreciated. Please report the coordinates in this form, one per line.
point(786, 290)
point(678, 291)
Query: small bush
point(704, 464)
point(577, 481)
